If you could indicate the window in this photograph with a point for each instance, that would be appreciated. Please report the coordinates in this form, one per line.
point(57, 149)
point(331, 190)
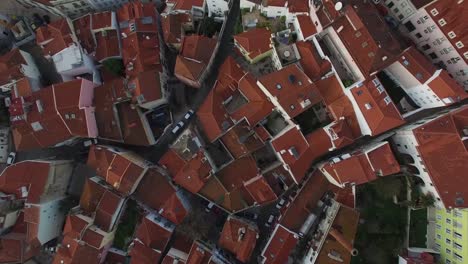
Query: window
point(438, 226)
point(448, 251)
point(357, 34)
point(371, 54)
point(359, 92)
point(406, 62)
point(434, 12)
point(425, 47)
point(390, 5)
point(437, 246)
point(448, 231)
point(364, 44)
point(457, 246)
point(465, 55)
point(401, 17)
point(388, 100)
point(439, 217)
point(457, 224)
point(292, 107)
point(458, 257)
point(433, 56)
point(380, 89)
point(418, 35)
point(452, 35)
point(457, 213)
point(448, 221)
point(447, 261)
point(448, 241)
point(418, 76)
point(396, 10)
point(442, 22)
point(368, 106)
point(438, 236)
point(459, 44)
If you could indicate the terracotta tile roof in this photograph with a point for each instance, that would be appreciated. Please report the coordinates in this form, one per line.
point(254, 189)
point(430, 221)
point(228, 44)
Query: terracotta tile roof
point(74, 226)
point(362, 166)
point(141, 53)
point(298, 6)
point(199, 254)
point(73, 252)
point(146, 87)
point(278, 178)
point(380, 115)
point(115, 256)
point(135, 9)
point(248, 101)
point(10, 66)
point(54, 114)
point(187, 4)
point(54, 37)
point(444, 154)
point(33, 175)
point(306, 25)
point(213, 190)
point(260, 190)
point(108, 210)
point(345, 196)
point(255, 41)
point(120, 172)
point(241, 140)
point(236, 173)
point(375, 45)
point(422, 69)
point(311, 63)
point(191, 175)
point(195, 53)
point(102, 20)
point(11, 250)
point(341, 237)
point(93, 238)
point(106, 45)
point(239, 238)
point(152, 234)
point(82, 27)
point(133, 127)
point(292, 88)
point(91, 195)
point(141, 254)
point(279, 247)
point(172, 25)
point(305, 202)
point(22, 88)
point(450, 11)
point(167, 198)
point(280, 3)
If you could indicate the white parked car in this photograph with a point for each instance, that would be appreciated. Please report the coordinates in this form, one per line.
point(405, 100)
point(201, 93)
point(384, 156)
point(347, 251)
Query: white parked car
point(189, 114)
point(11, 158)
point(178, 127)
point(209, 207)
point(89, 142)
point(270, 221)
point(280, 203)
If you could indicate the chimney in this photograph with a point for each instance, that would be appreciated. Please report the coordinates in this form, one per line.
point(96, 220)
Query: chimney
point(345, 243)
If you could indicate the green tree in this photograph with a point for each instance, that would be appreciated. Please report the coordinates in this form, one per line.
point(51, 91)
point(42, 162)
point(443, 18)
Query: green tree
point(114, 66)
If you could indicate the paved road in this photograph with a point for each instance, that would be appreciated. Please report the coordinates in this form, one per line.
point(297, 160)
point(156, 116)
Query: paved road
point(208, 79)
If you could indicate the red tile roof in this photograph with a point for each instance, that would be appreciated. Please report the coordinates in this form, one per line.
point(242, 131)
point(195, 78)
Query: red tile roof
point(279, 247)
point(260, 190)
point(107, 45)
point(216, 117)
point(306, 25)
point(191, 175)
point(172, 25)
point(141, 254)
point(305, 202)
point(54, 37)
point(120, 172)
point(375, 45)
point(140, 53)
point(187, 4)
point(75, 226)
point(167, 199)
point(280, 3)
point(381, 116)
point(450, 11)
point(199, 254)
point(444, 155)
point(10, 66)
point(102, 20)
point(91, 195)
point(383, 160)
point(255, 42)
point(108, 210)
point(422, 69)
point(298, 6)
point(54, 115)
point(292, 88)
point(195, 53)
point(135, 9)
point(153, 234)
point(238, 172)
point(340, 239)
point(241, 140)
point(311, 63)
point(146, 87)
point(73, 252)
point(32, 175)
point(82, 27)
point(239, 238)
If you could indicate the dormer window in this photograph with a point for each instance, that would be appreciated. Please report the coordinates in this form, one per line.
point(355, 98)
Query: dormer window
point(434, 12)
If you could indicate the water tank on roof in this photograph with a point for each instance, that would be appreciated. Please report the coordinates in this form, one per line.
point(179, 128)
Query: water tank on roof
point(287, 53)
point(338, 6)
point(307, 224)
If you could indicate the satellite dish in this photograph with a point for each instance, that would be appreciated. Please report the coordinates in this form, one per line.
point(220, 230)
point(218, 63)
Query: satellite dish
point(287, 53)
point(338, 6)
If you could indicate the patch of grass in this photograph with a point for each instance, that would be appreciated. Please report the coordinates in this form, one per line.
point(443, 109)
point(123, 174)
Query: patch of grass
point(114, 66)
point(381, 235)
point(126, 227)
point(418, 228)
